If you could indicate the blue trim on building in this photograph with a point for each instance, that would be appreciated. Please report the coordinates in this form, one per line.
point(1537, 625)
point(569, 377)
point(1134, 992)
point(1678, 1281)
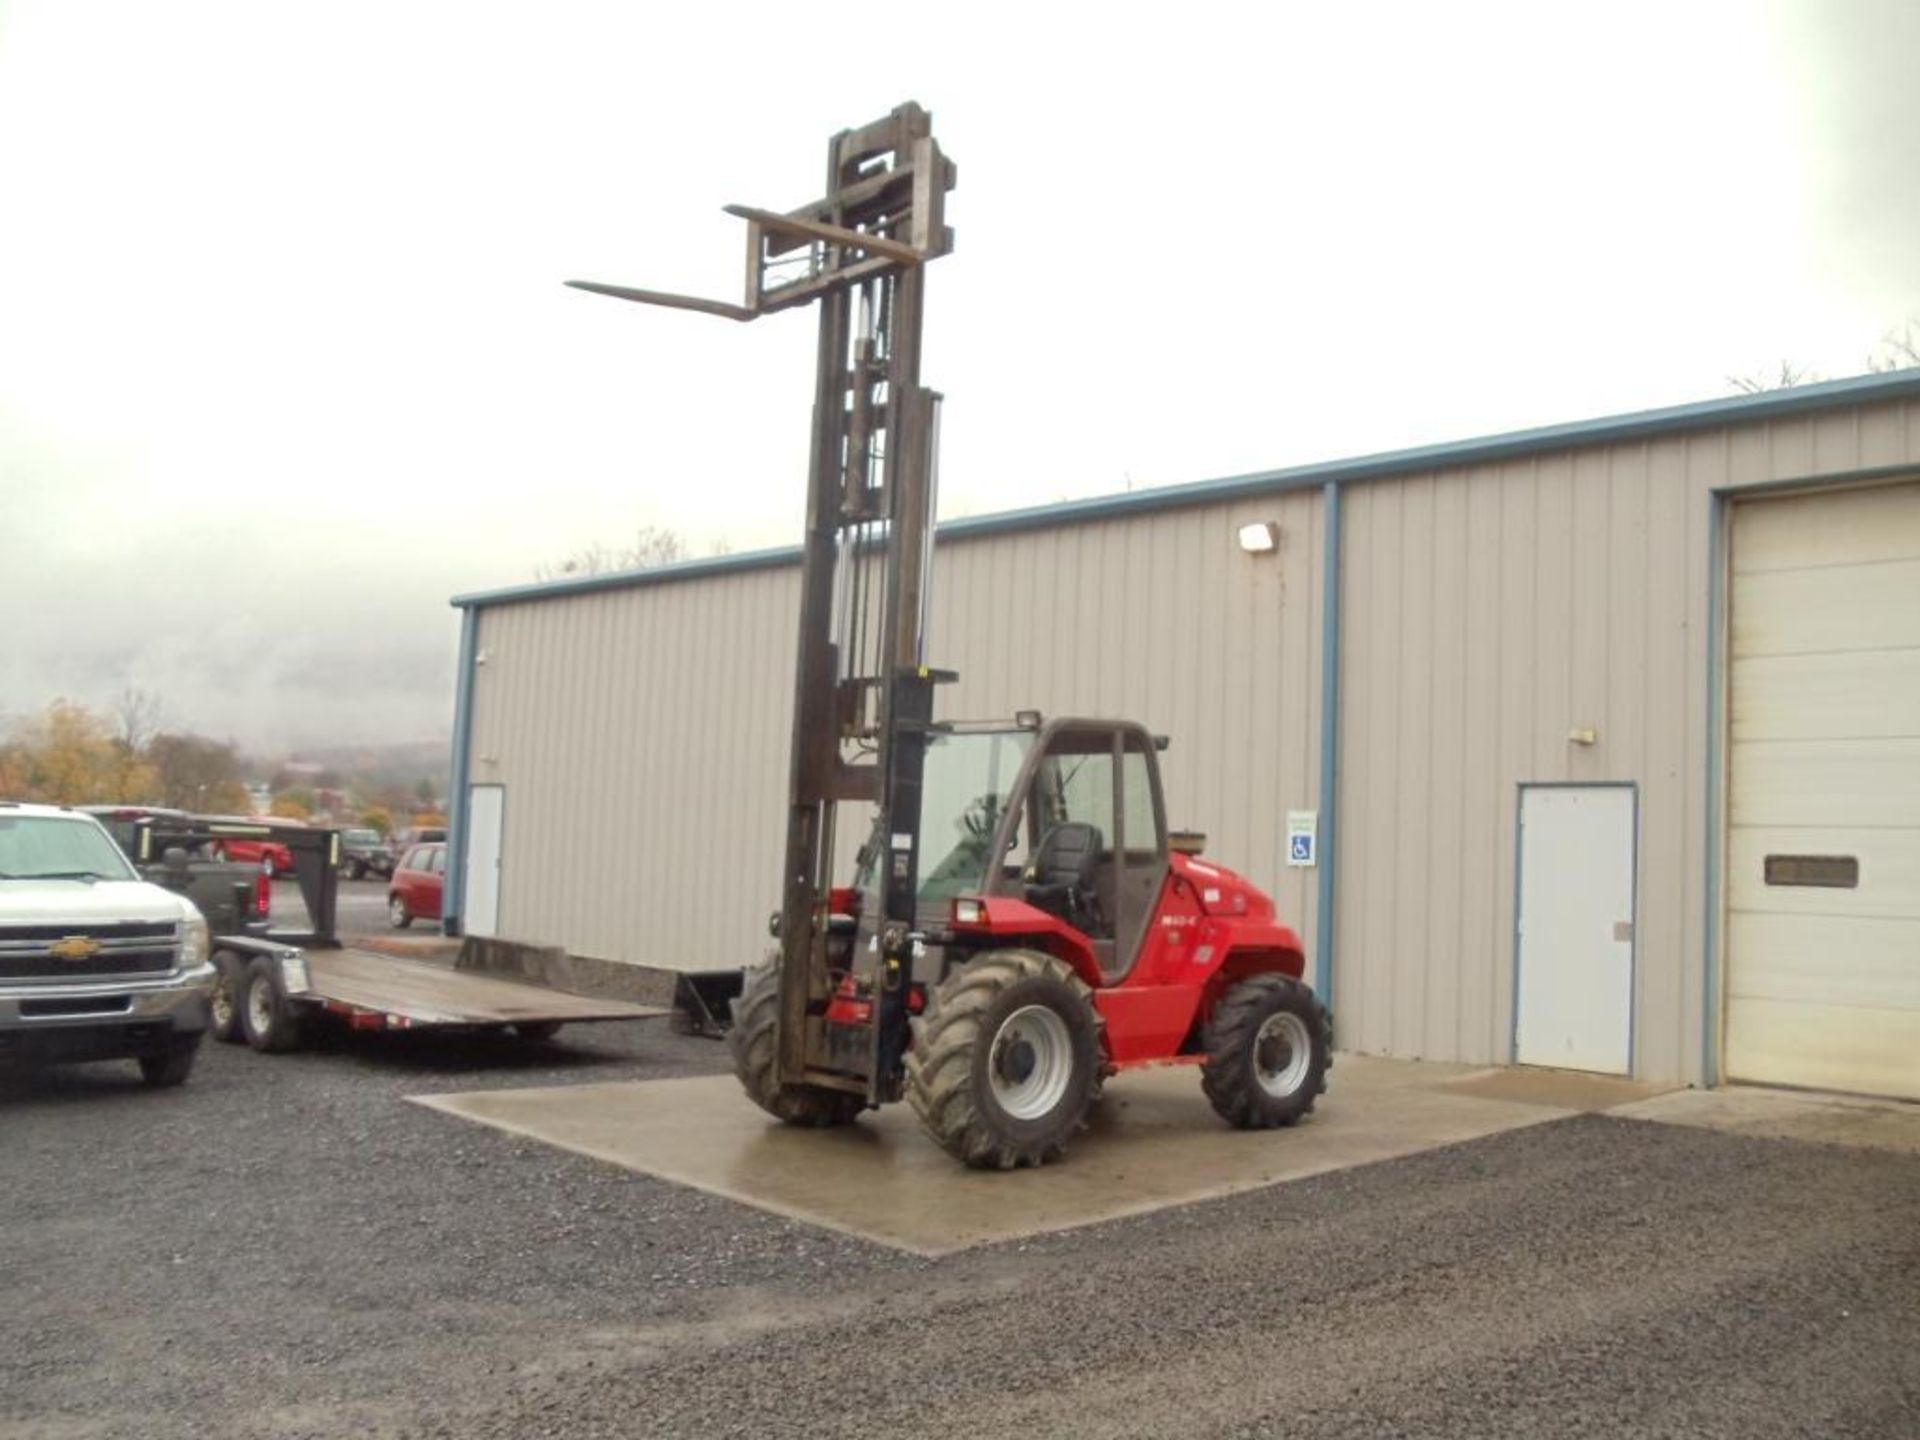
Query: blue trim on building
point(1710, 1012)
point(455, 884)
point(1706, 414)
point(1329, 803)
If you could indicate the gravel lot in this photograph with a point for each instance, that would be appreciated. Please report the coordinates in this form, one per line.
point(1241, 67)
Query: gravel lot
point(286, 1248)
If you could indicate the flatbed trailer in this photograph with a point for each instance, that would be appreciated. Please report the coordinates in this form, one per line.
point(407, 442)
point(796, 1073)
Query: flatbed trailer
point(277, 994)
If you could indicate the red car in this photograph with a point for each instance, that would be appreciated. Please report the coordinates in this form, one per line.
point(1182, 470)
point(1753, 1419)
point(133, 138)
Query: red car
point(271, 856)
point(418, 883)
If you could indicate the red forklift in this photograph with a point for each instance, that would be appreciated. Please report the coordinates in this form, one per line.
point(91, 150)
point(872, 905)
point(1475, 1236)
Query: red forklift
point(1021, 923)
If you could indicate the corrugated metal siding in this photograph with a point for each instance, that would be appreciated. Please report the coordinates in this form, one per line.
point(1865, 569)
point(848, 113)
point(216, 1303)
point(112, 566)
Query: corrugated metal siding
point(641, 737)
point(641, 734)
point(1486, 612)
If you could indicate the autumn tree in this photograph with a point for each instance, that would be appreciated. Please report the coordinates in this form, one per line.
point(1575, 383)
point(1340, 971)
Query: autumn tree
point(375, 817)
point(68, 756)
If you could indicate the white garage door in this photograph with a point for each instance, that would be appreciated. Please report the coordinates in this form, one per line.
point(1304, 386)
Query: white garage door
point(1823, 844)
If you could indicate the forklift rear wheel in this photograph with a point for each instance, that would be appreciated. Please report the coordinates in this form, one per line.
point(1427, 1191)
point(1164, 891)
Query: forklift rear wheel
point(267, 1017)
point(228, 968)
point(1269, 1047)
point(1007, 1060)
point(754, 1043)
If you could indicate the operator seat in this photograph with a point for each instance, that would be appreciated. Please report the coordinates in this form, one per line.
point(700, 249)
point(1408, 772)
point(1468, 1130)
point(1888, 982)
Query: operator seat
point(1060, 878)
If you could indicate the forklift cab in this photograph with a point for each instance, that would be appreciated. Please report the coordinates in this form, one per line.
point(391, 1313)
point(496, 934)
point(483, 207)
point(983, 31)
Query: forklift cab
point(1073, 815)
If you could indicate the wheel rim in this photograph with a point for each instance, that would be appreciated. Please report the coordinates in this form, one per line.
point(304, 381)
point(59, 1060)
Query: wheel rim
point(222, 1002)
point(1031, 1064)
point(1282, 1051)
point(259, 1008)
point(397, 912)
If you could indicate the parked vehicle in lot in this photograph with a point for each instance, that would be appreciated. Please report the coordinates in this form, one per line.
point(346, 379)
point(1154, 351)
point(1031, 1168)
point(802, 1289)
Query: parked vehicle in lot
point(233, 897)
point(405, 840)
point(365, 852)
point(270, 855)
point(95, 962)
point(419, 883)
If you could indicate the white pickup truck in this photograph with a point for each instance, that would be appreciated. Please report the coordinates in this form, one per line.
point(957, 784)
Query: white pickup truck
point(95, 963)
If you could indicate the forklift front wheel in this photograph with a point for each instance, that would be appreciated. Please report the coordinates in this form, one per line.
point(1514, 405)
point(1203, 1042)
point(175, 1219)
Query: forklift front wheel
point(1007, 1061)
point(754, 1043)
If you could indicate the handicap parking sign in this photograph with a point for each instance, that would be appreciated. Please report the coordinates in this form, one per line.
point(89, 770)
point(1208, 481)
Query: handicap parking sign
point(1303, 828)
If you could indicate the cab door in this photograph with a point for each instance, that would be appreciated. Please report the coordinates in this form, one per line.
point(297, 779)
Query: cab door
point(1099, 780)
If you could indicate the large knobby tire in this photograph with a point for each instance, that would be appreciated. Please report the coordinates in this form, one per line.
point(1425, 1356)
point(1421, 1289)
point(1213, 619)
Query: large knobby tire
point(1007, 1060)
point(228, 970)
point(267, 1018)
point(754, 1043)
point(1269, 1047)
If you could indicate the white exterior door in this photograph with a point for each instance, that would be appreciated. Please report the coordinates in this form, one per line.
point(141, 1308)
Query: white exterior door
point(1823, 790)
point(486, 809)
point(1574, 1000)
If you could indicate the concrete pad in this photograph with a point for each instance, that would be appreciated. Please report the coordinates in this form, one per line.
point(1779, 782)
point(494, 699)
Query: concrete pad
point(1154, 1142)
point(1789, 1115)
point(1560, 1089)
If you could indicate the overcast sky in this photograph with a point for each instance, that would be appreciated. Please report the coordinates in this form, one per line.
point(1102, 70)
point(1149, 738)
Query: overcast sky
point(285, 360)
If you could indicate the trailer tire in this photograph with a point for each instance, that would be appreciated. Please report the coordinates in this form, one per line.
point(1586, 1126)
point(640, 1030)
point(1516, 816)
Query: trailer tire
point(224, 1026)
point(1269, 1046)
point(537, 1029)
point(1007, 1061)
point(269, 1020)
point(754, 1043)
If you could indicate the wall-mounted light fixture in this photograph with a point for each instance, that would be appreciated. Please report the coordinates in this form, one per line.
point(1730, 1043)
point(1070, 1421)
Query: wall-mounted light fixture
point(1259, 537)
point(1585, 735)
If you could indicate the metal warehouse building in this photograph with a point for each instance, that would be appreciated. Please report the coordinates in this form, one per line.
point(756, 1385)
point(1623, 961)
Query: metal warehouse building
point(1608, 733)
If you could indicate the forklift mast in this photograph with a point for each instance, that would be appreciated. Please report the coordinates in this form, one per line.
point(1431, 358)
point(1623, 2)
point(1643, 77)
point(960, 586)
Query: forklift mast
point(863, 693)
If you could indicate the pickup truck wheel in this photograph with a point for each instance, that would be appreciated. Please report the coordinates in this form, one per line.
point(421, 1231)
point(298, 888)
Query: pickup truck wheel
point(398, 913)
point(267, 1017)
point(218, 853)
point(266, 866)
point(170, 1067)
point(355, 870)
point(228, 968)
point(536, 1029)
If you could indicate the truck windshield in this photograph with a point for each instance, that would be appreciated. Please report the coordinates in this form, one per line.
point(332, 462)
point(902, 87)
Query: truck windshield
point(963, 792)
point(53, 847)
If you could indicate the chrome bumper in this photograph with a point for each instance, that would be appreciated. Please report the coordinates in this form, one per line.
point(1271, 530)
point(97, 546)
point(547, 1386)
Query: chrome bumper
point(180, 999)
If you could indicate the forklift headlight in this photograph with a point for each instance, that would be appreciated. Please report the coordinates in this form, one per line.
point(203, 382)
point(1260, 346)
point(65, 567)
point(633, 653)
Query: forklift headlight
point(968, 912)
